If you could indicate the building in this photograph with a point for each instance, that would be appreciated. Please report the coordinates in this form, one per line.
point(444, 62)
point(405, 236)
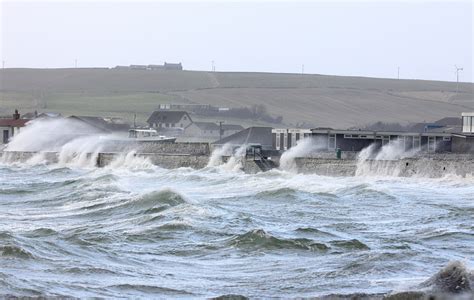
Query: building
point(43, 115)
point(283, 139)
point(9, 127)
point(468, 122)
point(211, 130)
point(103, 124)
point(166, 66)
point(138, 67)
point(356, 140)
point(203, 129)
point(353, 140)
point(173, 66)
point(250, 136)
point(167, 119)
point(463, 142)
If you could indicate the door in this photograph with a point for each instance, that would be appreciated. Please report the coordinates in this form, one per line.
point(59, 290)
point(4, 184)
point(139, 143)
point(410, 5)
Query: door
point(5, 136)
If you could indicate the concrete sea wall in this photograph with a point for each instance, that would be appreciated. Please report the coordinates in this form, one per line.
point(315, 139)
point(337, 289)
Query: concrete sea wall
point(433, 166)
point(429, 165)
point(168, 161)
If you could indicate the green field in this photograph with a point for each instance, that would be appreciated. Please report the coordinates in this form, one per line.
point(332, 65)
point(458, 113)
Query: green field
point(316, 100)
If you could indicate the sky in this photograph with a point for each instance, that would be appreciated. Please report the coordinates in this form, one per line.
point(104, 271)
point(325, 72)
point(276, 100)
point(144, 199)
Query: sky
point(420, 39)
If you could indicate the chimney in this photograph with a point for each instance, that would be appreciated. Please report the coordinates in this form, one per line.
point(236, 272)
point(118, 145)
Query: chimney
point(16, 115)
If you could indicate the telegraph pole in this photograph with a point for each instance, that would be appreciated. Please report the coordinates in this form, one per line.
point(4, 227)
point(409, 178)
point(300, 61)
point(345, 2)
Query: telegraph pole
point(213, 67)
point(398, 73)
point(457, 77)
point(221, 132)
point(302, 69)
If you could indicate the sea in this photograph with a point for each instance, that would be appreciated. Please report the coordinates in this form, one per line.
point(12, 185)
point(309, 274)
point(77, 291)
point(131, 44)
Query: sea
point(134, 230)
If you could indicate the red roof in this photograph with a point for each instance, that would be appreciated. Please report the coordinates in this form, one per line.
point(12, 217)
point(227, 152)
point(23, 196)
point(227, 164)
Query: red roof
point(13, 122)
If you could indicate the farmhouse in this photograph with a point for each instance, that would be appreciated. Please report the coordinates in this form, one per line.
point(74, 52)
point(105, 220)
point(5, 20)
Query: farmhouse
point(162, 119)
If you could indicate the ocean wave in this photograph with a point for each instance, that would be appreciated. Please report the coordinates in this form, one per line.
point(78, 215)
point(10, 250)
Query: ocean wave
point(40, 232)
point(156, 201)
point(353, 244)
point(314, 231)
point(13, 251)
point(149, 289)
point(453, 278)
point(258, 239)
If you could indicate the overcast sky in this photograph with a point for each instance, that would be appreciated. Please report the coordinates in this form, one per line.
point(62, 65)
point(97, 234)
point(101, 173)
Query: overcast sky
point(367, 38)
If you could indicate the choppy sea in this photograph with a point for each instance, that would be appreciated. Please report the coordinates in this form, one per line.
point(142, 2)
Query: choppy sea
point(134, 230)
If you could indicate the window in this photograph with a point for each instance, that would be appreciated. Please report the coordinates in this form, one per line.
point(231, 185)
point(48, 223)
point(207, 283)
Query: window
point(416, 143)
point(277, 141)
point(185, 118)
point(172, 125)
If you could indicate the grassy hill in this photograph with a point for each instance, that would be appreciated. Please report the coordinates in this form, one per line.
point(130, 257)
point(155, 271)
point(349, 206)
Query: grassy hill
point(320, 100)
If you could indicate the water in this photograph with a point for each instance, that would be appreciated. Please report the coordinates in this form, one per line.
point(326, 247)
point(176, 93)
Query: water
point(134, 230)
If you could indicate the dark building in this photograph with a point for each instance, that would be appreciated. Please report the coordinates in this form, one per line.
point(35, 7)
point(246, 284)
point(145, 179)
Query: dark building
point(173, 66)
point(356, 140)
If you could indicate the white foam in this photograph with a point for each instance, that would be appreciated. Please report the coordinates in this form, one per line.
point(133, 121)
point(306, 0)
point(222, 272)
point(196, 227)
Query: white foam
point(130, 161)
point(305, 147)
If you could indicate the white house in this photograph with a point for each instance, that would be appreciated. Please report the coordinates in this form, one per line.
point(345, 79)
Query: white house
point(167, 119)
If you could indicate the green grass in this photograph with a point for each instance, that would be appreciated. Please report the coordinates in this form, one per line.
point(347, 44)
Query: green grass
point(319, 100)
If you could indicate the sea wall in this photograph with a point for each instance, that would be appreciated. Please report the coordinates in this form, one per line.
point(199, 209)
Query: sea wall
point(175, 148)
point(434, 166)
point(327, 167)
point(164, 160)
point(422, 165)
point(23, 156)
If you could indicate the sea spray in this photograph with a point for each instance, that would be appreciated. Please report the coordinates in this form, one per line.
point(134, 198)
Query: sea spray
point(80, 152)
point(305, 147)
point(381, 162)
point(76, 144)
point(217, 154)
point(235, 162)
point(48, 135)
point(130, 160)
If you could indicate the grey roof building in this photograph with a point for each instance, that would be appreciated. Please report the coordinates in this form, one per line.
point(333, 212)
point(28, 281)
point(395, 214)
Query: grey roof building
point(251, 135)
point(103, 124)
point(169, 119)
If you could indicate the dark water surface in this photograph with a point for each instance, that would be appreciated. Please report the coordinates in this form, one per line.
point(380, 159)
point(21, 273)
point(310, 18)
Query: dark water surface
point(141, 232)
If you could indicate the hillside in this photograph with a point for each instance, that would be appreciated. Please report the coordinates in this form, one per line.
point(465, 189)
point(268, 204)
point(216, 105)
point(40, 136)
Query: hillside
point(320, 100)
